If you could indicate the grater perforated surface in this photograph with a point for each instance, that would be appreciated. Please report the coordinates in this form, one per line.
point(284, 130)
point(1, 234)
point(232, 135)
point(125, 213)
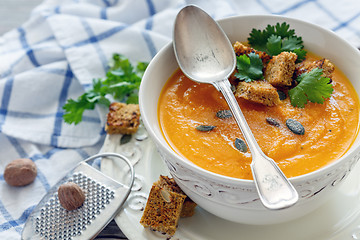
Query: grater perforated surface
point(55, 222)
point(103, 199)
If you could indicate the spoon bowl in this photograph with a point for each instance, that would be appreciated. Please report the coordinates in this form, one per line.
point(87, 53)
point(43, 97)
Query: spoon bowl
point(205, 54)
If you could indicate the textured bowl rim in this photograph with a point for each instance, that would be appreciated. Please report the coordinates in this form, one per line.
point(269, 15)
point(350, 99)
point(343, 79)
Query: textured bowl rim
point(246, 182)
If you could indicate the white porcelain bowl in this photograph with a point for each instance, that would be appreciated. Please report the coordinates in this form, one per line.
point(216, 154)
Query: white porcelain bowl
point(236, 199)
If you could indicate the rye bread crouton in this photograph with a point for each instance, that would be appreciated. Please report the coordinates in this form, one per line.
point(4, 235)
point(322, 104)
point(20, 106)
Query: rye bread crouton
point(123, 118)
point(280, 69)
point(258, 91)
point(241, 49)
point(327, 67)
point(169, 184)
point(162, 210)
point(166, 204)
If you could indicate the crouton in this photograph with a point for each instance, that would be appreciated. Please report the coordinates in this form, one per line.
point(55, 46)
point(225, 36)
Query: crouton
point(162, 210)
point(165, 205)
point(280, 69)
point(188, 208)
point(241, 49)
point(123, 118)
point(324, 64)
point(258, 91)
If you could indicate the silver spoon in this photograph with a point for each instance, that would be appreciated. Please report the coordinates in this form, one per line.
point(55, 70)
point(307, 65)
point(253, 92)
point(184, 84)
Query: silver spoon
point(205, 55)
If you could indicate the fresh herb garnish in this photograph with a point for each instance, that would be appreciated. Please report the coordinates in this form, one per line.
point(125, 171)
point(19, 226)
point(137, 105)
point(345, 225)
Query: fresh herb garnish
point(276, 39)
point(122, 82)
point(249, 67)
point(312, 86)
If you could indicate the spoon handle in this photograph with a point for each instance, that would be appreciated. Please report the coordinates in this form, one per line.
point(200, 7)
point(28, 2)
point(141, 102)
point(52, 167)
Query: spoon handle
point(275, 190)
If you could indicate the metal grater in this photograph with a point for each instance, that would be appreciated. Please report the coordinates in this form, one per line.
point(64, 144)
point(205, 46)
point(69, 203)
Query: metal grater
point(103, 199)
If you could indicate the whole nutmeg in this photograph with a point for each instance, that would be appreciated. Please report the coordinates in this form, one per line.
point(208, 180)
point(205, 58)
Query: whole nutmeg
point(20, 172)
point(71, 196)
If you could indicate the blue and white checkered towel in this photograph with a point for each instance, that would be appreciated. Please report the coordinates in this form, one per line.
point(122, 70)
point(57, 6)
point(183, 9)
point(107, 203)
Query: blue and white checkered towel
point(65, 44)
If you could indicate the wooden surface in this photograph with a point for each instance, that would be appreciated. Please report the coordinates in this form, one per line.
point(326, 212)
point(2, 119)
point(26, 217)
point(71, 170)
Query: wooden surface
point(12, 14)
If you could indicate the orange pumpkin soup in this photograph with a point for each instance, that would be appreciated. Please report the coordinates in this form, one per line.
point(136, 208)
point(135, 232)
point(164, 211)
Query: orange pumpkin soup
point(330, 128)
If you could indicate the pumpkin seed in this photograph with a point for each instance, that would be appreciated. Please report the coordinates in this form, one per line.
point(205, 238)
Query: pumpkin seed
point(282, 95)
point(240, 145)
point(224, 114)
point(165, 195)
point(295, 126)
point(125, 139)
point(272, 121)
point(205, 128)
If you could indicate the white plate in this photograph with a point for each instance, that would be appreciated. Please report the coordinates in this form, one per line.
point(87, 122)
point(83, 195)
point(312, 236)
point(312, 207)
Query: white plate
point(338, 219)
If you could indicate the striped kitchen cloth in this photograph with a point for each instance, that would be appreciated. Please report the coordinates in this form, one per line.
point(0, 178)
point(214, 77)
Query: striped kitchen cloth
point(65, 44)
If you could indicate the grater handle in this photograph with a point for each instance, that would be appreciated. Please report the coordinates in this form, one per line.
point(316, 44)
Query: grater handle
point(127, 161)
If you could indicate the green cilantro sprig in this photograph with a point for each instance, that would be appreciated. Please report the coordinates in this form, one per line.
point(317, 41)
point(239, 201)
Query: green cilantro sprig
point(273, 40)
point(249, 67)
point(122, 82)
point(276, 39)
point(312, 86)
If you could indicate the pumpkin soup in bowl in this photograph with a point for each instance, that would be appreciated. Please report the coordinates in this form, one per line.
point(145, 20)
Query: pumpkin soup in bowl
point(232, 194)
point(330, 128)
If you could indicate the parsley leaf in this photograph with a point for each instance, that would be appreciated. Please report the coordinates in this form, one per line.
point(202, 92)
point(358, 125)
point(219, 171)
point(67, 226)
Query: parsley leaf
point(258, 38)
point(301, 53)
point(276, 39)
point(122, 82)
point(312, 87)
point(273, 45)
point(249, 67)
point(291, 43)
